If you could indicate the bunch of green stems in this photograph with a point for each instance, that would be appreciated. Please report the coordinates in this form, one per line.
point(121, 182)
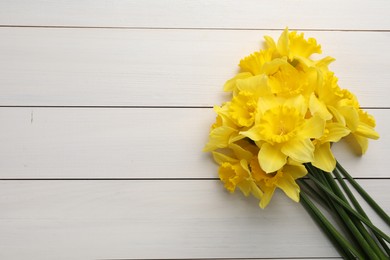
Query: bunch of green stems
point(357, 237)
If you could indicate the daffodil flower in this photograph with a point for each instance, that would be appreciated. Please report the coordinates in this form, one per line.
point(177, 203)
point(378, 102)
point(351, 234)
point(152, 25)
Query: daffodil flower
point(323, 156)
point(293, 45)
point(286, 110)
point(283, 131)
point(283, 179)
point(234, 171)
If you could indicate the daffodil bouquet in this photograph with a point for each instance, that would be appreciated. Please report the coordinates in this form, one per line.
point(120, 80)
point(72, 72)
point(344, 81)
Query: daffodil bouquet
point(277, 131)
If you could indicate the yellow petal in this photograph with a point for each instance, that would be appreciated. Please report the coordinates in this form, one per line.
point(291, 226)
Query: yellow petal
point(240, 152)
point(283, 43)
point(267, 196)
point(299, 46)
point(324, 63)
point(366, 131)
point(221, 158)
point(253, 133)
point(254, 62)
point(266, 103)
point(257, 85)
point(335, 131)
point(337, 115)
point(226, 174)
point(289, 186)
point(235, 138)
point(271, 158)
point(303, 61)
point(298, 103)
point(295, 170)
point(243, 108)
point(230, 85)
point(351, 117)
point(319, 108)
point(273, 66)
point(362, 142)
point(245, 188)
point(300, 150)
point(323, 158)
point(314, 127)
point(223, 113)
point(219, 138)
point(244, 176)
point(366, 118)
point(255, 190)
point(270, 42)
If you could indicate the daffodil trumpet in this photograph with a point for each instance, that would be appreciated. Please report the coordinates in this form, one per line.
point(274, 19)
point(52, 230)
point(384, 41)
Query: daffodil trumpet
point(277, 130)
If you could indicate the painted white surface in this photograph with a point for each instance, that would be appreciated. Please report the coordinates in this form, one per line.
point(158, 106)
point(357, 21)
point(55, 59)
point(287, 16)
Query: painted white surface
point(135, 143)
point(114, 67)
point(300, 14)
point(154, 220)
point(52, 63)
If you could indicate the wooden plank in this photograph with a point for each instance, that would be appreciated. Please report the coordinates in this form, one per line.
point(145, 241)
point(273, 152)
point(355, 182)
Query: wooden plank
point(331, 14)
point(156, 219)
point(78, 67)
point(134, 143)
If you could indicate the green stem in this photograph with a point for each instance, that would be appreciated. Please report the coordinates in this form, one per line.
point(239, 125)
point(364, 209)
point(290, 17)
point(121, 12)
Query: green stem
point(315, 193)
point(357, 229)
point(344, 247)
point(349, 209)
point(316, 173)
point(365, 195)
point(356, 204)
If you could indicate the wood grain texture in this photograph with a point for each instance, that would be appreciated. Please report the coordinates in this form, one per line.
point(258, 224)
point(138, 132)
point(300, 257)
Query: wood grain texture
point(95, 67)
point(134, 143)
point(304, 14)
point(155, 219)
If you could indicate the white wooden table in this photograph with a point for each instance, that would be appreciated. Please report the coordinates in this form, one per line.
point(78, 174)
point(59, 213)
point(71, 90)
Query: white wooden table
point(105, 108)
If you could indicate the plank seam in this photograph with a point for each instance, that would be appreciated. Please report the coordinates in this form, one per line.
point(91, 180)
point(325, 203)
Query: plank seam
point(184, 28)
point(37, 106)
point(147, 179)
point(235, 258)
point(119, 106)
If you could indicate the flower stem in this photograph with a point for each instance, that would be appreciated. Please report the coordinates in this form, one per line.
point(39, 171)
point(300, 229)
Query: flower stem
point(357, 229)
point(315, 193)
point(343, 246)
point(365, 195)
point(319, 175)
point(349, 209)
point(363, 213)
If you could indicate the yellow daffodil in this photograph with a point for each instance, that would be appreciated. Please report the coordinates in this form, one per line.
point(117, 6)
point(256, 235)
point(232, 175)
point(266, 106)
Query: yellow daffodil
point(254, 63)
point(230, 85)
point(329, 98)
point(283, 131)
point(224, 131)
point(343, 107)
point(323, 156)
point(283, 179)
point(292, 45)
point(234, 170)
point(243, 106)
point(364, 130)
point(286, 110)
point(285, 80)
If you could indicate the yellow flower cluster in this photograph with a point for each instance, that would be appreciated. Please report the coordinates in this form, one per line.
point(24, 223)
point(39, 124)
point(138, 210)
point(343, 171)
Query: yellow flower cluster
point(286, 110)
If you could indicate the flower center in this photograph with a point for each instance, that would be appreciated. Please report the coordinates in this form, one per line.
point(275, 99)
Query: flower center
point(280, 124)
point(243, 107)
